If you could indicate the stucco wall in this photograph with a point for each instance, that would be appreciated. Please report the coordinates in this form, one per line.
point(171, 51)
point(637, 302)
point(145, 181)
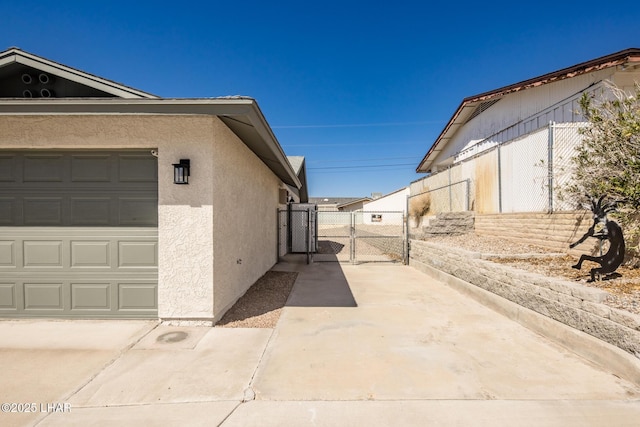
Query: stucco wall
point(394, 202)
point(185, 212)
point(245, 201)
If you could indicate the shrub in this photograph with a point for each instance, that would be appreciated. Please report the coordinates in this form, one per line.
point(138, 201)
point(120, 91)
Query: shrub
point(419, 206)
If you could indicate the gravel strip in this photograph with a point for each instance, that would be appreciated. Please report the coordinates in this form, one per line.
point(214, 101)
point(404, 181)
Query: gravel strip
point(261, 305)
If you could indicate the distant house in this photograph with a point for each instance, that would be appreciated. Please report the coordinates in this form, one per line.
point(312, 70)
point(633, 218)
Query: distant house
point(338, 203)
point(395, 201)
point(508, 149)
point(95, 217)
point(353, 205)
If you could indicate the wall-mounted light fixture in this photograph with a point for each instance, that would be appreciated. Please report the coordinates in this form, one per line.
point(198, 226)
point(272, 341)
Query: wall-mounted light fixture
point(181, 171)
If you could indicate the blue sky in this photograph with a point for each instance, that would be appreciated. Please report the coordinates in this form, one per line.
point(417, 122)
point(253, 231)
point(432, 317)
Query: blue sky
point(361, 89)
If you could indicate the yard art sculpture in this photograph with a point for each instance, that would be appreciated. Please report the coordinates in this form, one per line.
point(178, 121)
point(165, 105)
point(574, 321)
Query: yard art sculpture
point(610, 231)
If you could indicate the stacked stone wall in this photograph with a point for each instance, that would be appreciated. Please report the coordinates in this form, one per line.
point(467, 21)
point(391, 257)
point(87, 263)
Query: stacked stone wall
point(572, 304)
point(551, 231)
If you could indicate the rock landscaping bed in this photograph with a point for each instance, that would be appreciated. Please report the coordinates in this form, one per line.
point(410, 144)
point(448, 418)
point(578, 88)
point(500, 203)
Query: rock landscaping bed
point(623, 286)
point(261, 305)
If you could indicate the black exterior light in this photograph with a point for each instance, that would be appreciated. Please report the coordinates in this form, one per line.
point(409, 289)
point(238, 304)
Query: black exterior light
point(181, 171)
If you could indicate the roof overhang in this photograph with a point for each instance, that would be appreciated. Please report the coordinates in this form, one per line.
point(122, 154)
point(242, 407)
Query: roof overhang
point(354, 202)
point(241, 115)
point(298, 163)
point(468, 105)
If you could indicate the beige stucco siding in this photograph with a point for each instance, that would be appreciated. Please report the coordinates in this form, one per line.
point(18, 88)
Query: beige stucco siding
point(217, 235)
point(245, 200)
point(185, 212)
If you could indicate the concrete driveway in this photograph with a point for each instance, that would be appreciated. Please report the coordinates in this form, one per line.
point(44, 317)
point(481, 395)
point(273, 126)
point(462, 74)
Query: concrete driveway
point(356, 345)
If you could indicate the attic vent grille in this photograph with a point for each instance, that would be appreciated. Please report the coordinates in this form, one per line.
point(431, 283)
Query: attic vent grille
point(481, 108)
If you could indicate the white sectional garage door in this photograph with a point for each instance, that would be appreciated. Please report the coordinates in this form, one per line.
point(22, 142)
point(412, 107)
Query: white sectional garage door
point(78, 234)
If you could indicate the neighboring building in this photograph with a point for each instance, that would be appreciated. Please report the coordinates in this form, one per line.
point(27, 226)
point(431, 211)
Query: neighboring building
point(395, 201)
point(353, 205)
point(91, 221)
point(388, 209)
point(335, 203)
point(508, 149)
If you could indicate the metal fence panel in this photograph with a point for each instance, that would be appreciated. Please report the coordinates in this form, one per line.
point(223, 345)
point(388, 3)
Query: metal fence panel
point(379, 236)
point(283, 225)
point(361, 236)
point(334, 236)
point(520, 175)
point(487, 184)
point(524, 173)
point(565, 140)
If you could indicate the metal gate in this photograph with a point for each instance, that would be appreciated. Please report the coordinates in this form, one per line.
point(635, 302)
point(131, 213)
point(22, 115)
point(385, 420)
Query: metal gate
point(297, 230)
point(361, 236)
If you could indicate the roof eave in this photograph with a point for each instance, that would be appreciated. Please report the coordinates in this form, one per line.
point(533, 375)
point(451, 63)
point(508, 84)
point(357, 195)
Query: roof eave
point(612, 60)
point(241, 115)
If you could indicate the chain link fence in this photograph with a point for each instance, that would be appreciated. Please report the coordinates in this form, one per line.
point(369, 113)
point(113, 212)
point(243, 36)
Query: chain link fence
point(520, 175)
point(361, 236)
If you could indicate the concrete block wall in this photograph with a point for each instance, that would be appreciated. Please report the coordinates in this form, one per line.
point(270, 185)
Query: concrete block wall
point(445, 223)
point(551, 231)
point(572, 304)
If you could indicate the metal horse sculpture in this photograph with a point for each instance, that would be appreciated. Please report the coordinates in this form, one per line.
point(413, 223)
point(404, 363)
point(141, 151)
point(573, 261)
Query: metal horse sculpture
point(611, 231)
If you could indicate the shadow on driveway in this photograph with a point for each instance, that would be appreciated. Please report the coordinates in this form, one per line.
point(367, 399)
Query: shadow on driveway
point(320, 284)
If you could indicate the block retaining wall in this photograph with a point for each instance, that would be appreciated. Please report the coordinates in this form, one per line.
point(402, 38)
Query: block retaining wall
point(551, 231)
point(572, 304)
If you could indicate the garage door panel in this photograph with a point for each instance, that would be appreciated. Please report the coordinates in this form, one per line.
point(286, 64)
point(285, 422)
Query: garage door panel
point(138, 254)
point(42, 253)
point(86, 254)
point(43, 296)
point(7, 168)
point(7, 210)
point(91, 168)
point(91, 296)
point(136, 211)
point(78, 189)
point(44, 168)
point(137, 168)
point(42, 211)
point(7, 254)
point(137, 297)
point(91, 211)
point(8, 299)
point(83, 272)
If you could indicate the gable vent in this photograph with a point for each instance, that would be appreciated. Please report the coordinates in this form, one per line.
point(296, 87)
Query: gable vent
point(481, 108)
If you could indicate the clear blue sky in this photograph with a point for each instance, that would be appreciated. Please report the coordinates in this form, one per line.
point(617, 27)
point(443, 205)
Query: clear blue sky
point(360, 88)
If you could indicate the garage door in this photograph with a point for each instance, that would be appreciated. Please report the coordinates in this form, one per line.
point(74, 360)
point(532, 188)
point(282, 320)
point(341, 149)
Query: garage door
point(78, 234)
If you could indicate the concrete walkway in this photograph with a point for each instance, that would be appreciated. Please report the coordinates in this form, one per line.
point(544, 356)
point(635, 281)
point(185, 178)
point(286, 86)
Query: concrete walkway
point(373, 344)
